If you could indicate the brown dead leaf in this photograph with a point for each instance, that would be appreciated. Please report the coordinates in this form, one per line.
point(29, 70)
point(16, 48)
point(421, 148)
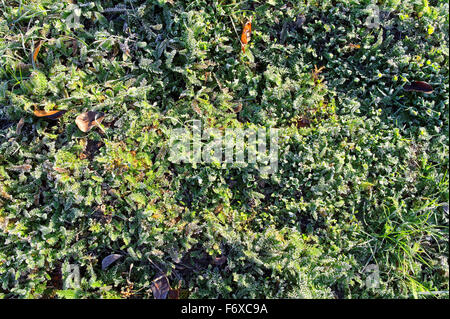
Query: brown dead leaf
point(419, 86)
point(87, 120)
point(174, 294)
point(238, 108)
point(174, 221)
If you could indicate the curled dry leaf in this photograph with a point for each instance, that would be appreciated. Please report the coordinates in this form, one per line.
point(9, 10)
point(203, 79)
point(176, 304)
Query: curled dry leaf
point(50, 115)
point(160, 287)
point(419, 86)
point(108, 260)
point(87, 120)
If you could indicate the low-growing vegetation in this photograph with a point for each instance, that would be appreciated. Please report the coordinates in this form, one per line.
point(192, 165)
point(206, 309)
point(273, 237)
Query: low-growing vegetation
point(90, 91)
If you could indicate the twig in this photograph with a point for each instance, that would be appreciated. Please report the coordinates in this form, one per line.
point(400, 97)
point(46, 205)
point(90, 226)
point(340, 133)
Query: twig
point(237, 34)
point(156, 266)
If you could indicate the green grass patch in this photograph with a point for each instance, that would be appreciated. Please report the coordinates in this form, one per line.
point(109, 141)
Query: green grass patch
point(357, 209)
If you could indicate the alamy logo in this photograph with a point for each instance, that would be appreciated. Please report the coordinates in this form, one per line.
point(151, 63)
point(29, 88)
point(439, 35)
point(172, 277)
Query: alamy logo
point(373, 278)
point(73, 20)
point(373, 20)
point(239, 147)
point(71, 276)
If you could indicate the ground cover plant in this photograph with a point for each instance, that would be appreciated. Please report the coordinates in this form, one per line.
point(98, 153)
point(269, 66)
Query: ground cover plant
point(89, 93)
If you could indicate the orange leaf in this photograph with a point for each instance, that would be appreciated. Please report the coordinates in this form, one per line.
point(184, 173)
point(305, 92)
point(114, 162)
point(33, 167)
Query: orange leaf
point(246, 33)
point(36, 51)
point(51, 115)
